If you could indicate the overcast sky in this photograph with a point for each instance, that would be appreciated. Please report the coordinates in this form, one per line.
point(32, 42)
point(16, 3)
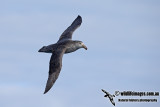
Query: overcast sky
point(123, 40)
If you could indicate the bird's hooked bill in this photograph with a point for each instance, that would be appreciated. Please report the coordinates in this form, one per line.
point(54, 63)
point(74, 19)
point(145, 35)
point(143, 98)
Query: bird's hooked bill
point(84, 46)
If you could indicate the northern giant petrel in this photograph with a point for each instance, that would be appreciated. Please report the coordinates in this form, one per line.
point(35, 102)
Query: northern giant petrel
point(65, 44)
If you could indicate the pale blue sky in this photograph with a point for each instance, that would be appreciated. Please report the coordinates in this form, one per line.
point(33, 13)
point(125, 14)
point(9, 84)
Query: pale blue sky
point(123, 40)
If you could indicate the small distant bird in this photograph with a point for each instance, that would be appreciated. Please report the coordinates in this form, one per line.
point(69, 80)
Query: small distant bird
point(109, 96)
point(64, 45)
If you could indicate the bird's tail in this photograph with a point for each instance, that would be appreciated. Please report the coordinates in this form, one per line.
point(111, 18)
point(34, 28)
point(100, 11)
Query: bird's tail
point(45, 49)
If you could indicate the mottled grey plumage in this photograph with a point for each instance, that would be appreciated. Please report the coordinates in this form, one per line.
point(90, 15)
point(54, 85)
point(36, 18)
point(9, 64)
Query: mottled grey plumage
point(109, 96)
point(65, 44)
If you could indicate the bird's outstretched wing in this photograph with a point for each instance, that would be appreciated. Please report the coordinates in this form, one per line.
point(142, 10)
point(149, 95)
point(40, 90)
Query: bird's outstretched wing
point(112, 101)
point(54, 68)
point(105, 92)
point(67, 34)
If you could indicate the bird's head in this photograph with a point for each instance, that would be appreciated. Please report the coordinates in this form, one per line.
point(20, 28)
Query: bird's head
point(81, 45)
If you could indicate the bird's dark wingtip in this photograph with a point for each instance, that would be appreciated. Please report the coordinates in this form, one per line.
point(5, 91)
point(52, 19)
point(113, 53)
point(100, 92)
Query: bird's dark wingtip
point(45, 92)
point(79, 17)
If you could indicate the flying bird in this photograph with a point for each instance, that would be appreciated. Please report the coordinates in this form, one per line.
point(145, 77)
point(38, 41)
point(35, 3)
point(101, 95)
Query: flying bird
point(109, 96)
point(64, 45)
